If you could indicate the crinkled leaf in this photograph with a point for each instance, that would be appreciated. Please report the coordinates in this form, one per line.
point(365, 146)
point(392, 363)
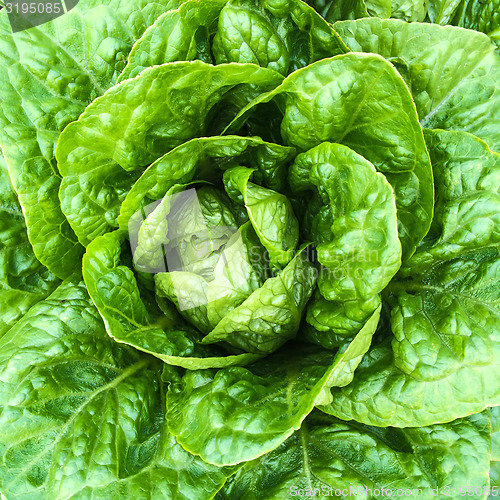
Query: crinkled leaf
point(359, 100)
point(252, 410)
point(182, 34)
point(270, 213)
point(49, 74)
point(481, 16)
point(103, 153)
point(137, 322)
point(443, 360)
point(442, 11)
point(271, 315)
point(209, 289)
point(23, 280)
point(331, 455)
point(199, 159)
point(363, 251)
point(452, 73)
point(83, 417)
point(336, 320)
point(284, 36)
point(462, 163)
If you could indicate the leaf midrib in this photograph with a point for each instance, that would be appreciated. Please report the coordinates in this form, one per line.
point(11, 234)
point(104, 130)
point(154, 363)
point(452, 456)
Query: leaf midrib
point(131, 370)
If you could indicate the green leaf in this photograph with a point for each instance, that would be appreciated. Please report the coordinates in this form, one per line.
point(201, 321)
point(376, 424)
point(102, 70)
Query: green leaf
point(132, 319)
point(495, 436)
point(49, 74)
point(284, 36)
point(481, 16)
point(335, 320)
point(462, 163)
point(158, 110)
point(363, 251)
point(344, 9)
point(83, 417)
point(213, 265)
point(199, 159)
point(409, 10)
point(247, 34)
point(359, 100)
point(23, 280)
point(252, 410)
point(443, 11)
point(328, 455)
point(178, 35)
point(270, 213)
point(271, 315)
point(442, 362)
point(494, 479)
point(452, 73)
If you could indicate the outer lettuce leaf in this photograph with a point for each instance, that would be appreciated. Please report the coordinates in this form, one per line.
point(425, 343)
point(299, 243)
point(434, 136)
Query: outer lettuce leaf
point(103, 153)
point(359, 100)
point(23, 280)
point(443, 11)
point(495, 435)
point(83, 417)
point(252, 410)
point(332, 322)
point(443, 362)
point(49, 74)
point(452, 73)
point(138, 321)
point(494, 479)
point(270, 213)
point(282, 35)
point(199, 159)
point(462, 163)
point(407, 10)
point(480, 16)
point(178, 35)
point(327, 454)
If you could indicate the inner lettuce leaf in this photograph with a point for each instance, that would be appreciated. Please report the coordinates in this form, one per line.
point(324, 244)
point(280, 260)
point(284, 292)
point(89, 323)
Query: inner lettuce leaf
point(452, 73)
point(270, 213)
point(140, 321)
point(254, 409)
point(271, 315)
point(363, 241)
point(328, 455)
point(358, 249)
point(361, 101)
point(64, 381)
point(23, 280)
point(201, 158)
point(445, 307)
point(49, 74)
point(101, 155)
